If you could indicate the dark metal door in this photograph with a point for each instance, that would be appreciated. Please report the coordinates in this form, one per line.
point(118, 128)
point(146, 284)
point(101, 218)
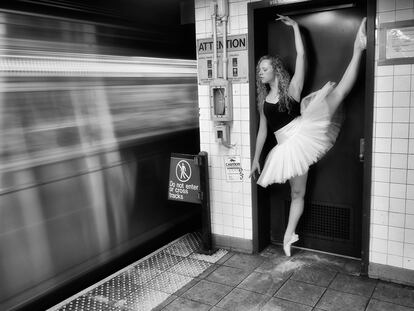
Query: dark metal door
point(332, 218)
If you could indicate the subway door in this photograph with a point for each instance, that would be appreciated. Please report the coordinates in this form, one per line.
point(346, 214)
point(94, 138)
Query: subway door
point(333, 210)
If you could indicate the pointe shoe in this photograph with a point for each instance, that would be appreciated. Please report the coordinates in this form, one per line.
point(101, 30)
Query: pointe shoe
point(286, 247)
point(361, 37)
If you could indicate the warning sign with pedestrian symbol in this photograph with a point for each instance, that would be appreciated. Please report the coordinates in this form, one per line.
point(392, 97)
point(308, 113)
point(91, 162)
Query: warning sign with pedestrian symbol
point(184, 183)
point(183, 171)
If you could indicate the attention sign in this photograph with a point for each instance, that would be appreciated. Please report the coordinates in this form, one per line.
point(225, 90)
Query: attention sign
point(236, 54)
point(184, 182)
point(234, 43)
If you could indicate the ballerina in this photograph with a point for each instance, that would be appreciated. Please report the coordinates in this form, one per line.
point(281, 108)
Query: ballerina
point(304, 132)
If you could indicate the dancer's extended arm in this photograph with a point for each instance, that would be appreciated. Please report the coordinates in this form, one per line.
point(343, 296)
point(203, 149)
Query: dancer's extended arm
point(261, 138)
point(348, 79)
point(296, 84)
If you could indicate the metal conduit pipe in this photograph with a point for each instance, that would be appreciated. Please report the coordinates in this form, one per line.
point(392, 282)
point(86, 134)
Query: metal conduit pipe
point(214, 25)
point(225, 59)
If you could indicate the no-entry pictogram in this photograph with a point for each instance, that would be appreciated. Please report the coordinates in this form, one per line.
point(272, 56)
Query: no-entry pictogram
point(183, 171)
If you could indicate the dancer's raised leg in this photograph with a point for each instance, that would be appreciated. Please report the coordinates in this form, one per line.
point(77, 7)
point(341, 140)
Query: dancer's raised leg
point(335, 98)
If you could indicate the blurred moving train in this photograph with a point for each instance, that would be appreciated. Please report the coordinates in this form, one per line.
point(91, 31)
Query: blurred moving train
point(87, 123)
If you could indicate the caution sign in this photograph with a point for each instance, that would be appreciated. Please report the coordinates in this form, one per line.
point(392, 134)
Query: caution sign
point(184, 182)
point(234, 170)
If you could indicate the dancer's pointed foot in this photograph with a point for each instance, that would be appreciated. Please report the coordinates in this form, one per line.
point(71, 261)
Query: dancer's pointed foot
point(287, 245)
point(361, 37)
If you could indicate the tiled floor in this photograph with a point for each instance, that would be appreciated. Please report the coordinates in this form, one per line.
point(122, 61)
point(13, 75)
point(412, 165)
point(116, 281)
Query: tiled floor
point(177, 278)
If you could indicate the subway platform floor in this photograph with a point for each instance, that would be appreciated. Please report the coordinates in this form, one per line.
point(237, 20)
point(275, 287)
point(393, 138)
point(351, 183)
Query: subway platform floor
point(176, 277)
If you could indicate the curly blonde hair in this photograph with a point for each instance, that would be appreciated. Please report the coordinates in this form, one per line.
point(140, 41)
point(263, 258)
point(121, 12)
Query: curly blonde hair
point(283, 79)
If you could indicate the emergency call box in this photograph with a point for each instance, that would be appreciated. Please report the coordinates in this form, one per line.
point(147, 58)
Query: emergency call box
point(221, 100)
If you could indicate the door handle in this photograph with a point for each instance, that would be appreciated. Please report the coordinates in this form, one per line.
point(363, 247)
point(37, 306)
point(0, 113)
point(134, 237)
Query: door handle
point(361, 149)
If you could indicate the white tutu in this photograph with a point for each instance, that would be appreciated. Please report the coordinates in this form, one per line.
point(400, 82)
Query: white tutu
point(303, 141)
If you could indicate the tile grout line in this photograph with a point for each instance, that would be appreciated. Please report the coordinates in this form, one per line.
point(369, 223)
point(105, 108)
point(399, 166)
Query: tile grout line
point(220, 265)
point(236, 286)
point(389, 174)
point(198, 281)
point(326, 289)
point(387, 301)
point(372, 295)
point(284, 282)
point(406, 170)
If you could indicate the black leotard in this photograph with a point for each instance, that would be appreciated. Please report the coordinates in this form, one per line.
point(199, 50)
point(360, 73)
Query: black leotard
point(278, 119)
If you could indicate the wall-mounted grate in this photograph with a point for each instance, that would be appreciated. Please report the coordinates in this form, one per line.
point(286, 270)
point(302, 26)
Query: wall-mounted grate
point(324, 221)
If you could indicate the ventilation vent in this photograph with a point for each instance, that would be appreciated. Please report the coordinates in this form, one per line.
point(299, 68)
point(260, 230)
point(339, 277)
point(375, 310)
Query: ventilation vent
point(325, 221)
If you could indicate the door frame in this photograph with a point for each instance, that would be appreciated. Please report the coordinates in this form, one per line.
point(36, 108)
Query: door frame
point(260, 217)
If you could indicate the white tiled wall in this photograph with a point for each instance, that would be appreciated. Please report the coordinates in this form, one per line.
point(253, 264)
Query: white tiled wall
point(231, 205)
point(392, 204)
